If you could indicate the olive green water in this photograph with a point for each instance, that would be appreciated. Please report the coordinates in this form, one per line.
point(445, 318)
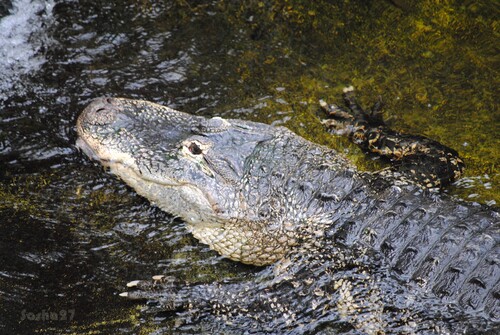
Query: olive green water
point(72, 235)
point(435, 65)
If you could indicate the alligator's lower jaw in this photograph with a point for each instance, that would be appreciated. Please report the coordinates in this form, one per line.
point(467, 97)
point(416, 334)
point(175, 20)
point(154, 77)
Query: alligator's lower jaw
point(86, 149)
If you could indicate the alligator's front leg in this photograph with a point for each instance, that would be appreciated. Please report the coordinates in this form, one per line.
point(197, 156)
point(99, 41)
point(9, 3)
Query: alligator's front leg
point(247, 303)
point(287, 299)
point(255, 306)
point(170, 293)
point(416, 158)
point(331, 289)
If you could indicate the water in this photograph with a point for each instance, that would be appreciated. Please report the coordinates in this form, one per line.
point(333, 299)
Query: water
point(24, 37)
point(72, 235)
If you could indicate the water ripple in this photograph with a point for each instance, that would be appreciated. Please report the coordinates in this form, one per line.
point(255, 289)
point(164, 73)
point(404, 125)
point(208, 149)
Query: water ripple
point(23, 36)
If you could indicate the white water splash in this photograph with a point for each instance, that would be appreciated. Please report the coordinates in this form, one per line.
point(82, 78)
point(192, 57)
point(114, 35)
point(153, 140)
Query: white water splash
point(23, 38)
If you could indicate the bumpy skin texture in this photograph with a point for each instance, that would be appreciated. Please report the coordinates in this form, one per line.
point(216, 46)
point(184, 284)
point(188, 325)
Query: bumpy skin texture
point(352, 252)
point(417, 158)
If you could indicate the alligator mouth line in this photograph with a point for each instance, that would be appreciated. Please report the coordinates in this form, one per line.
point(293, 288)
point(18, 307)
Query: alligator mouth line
point(87, 149)
point(139, 182)
point(120, 168)
point(83, 146)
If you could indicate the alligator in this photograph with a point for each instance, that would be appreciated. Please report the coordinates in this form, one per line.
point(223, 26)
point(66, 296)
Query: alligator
point(340, 250)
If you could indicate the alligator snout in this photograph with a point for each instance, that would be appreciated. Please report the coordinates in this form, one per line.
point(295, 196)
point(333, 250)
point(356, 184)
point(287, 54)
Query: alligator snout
point(101, 111)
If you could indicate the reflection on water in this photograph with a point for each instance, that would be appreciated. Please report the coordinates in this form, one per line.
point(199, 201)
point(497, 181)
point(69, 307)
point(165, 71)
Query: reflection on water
point(23, 36)
point(71, 235)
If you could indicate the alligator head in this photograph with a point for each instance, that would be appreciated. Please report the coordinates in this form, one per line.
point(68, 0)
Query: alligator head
point(238, 184)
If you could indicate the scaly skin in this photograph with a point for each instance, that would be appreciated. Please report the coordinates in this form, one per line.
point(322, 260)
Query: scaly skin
point(347, 250)
point(416, 158)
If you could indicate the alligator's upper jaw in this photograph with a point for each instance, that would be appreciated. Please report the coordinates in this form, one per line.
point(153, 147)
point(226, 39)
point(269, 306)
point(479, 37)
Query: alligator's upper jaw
point(101, 126)
point(117, 133)
point(100, 112)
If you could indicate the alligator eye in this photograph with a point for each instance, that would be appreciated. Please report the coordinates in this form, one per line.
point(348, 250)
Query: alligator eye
point(195, 149)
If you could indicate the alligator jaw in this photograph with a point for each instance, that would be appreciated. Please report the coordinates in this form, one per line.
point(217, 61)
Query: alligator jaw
point(86, 149)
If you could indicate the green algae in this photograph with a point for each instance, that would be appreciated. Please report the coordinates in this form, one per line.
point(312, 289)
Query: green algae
point(435, 66)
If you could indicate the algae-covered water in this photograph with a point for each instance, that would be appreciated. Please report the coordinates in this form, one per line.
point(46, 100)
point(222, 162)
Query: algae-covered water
point(72, 235)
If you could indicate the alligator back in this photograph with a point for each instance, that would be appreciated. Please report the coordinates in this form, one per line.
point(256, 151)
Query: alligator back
point(449, 248)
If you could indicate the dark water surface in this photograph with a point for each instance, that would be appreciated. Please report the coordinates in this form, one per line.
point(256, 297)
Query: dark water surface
point(72, 235)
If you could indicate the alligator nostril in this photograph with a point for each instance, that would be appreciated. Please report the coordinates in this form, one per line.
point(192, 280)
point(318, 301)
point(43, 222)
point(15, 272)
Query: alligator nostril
point(101, 111)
